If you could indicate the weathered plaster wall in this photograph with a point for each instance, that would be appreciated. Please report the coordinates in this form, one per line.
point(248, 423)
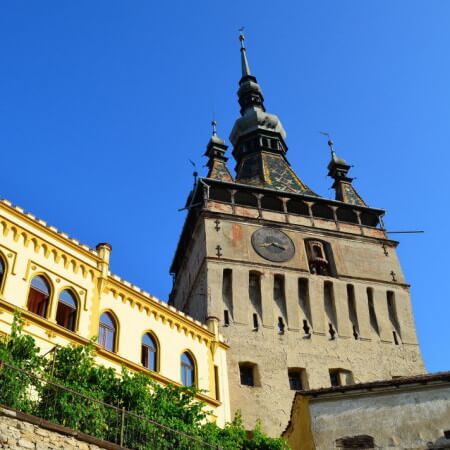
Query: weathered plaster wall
point(413, 418)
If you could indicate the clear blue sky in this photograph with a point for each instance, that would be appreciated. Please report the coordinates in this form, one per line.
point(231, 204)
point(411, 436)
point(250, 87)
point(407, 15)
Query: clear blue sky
point(102, 103)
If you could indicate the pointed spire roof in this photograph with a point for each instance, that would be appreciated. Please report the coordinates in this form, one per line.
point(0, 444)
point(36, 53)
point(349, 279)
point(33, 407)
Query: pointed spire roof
point(338, 170)
point(258, 139)
point(217, 162)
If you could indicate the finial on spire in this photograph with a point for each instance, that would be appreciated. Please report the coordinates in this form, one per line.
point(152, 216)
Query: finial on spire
point(242, 37)
point(244, 62)
point(214, 128)
point(331, 144)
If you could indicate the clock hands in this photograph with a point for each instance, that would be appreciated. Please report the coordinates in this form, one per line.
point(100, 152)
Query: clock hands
point(274, 244)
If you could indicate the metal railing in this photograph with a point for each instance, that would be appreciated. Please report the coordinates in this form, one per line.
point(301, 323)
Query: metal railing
point(32, 394)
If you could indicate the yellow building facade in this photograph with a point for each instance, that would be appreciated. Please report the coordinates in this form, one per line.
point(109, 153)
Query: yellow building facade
point(67, 295)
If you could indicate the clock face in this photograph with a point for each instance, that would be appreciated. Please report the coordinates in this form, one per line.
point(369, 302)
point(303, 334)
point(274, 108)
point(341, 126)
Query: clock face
point(273, 244)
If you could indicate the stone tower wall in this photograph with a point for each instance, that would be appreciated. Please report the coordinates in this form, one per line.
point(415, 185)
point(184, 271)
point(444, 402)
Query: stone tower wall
point(361, 261)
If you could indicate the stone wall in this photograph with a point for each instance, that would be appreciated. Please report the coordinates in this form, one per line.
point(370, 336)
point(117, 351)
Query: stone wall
point(22, 431)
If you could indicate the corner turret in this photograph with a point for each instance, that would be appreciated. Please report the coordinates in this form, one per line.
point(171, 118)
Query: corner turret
point(338, 170)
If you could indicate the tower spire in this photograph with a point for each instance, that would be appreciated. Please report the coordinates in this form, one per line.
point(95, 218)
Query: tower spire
point(244, 61)
point(258, 139)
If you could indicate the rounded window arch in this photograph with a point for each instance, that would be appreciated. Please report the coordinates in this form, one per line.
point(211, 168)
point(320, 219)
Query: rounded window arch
point(188, 369)
point(2, 271)
point(66, 313)
point(107, 332)
point(149, 352)
point(39, 296)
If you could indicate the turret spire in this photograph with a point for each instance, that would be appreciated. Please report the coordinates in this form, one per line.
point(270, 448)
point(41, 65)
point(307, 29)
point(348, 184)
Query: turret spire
point(217, 161)
point(338, 170)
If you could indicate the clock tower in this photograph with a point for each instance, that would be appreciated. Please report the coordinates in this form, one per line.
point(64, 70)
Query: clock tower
point(307, 291)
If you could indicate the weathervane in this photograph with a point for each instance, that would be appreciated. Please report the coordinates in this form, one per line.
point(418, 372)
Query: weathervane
point(330, 142)
point(214, 128)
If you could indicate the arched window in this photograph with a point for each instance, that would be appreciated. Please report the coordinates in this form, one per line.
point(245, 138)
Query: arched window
point(149, 352)
point(187, 370)
point(66, 314)
point(2, 271)
point(107, 332)
point(39, 296)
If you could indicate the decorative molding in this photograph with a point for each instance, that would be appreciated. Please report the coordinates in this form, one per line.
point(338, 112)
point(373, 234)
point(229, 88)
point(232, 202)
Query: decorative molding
point(160, 310)
point(46, 249)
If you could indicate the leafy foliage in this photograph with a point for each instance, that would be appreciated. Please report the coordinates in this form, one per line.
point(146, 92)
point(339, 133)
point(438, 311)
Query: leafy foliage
point(129, 408)
point(17, 389)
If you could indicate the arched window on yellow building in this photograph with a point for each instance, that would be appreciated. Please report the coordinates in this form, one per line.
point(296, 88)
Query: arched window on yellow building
point(107, 332)
point(66, 314)
point(39, 296)
point(187, 369)
point(2, 271)
point(149, 352)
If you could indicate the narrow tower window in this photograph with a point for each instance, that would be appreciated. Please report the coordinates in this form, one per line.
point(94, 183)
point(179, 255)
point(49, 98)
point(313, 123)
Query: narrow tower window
point(279, 297)
point(330, 310)
point(372, 313)
point(66, 314)
point(305, 308)
point(255, 322)
point(393, 317)
point(254, 292)
point(306, 328)
point(227, 294)
point(281, 325)
point(352, 310)
point(39, 296)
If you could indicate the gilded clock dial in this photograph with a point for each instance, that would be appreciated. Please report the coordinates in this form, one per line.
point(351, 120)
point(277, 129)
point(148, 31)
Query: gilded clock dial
point(272, 244)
